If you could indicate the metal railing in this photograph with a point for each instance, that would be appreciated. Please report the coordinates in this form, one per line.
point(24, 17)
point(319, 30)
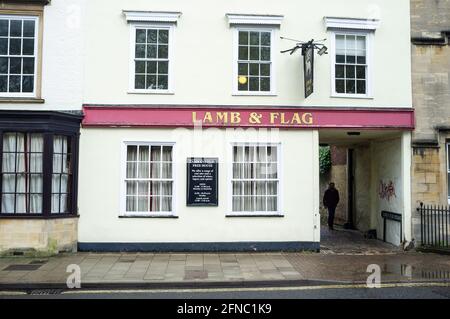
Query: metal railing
point(434, 225)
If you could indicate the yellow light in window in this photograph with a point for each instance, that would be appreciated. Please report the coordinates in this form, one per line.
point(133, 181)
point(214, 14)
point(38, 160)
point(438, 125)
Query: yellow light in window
point(242, 79)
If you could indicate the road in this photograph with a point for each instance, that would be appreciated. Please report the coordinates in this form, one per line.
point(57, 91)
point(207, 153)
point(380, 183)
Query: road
point(421, 291)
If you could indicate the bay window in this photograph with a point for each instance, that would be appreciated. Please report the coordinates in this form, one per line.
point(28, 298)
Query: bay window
point(36, 177)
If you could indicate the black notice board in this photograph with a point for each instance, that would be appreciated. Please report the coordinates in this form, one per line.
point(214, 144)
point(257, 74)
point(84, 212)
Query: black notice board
point(202, 181)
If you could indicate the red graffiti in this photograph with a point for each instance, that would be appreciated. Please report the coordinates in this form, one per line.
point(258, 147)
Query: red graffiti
point(387, 190)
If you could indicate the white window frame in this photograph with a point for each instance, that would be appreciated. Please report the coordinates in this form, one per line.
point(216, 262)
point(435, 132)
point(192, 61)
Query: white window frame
point(369, 61)
point(36, 57)
point(279, 211)
point(143, 25)
point(123, 178)
point(235, 85)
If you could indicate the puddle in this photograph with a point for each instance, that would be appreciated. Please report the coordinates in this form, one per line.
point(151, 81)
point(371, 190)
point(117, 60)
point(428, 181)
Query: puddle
point(415, 272)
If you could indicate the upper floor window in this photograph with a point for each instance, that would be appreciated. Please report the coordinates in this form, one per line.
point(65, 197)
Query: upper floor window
point(351, 65)
point(351, 56)
point(18, 56)
point(254, 64)
point(151, 58)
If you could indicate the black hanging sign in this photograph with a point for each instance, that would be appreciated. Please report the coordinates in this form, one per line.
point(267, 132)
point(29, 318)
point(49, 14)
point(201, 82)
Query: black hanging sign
point(202, 181)
point(308, 67)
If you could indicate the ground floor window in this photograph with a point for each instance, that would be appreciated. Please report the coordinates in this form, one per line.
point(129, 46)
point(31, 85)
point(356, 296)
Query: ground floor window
point(255, 179)
point(149, 178)
point(36, 173)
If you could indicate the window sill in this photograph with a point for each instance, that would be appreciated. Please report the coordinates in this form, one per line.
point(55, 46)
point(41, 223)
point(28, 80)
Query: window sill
point(254, 94)
point(157, 92)
point(149, 216)
point(37, 216)
point(276, 215)
point(352, 96)
point(19, 100)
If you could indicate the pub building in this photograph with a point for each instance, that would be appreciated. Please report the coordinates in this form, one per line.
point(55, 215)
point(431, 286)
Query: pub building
point(200, 135)
point(197, 133)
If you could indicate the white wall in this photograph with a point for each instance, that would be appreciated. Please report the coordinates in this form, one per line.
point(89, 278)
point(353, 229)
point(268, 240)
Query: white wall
point(100, 181)
point(62, 57)
point(204, 52)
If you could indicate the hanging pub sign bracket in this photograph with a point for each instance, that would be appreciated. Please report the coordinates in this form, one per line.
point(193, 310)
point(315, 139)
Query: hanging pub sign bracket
point(308, 60)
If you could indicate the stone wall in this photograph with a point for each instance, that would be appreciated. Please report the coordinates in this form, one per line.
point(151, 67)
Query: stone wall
point(38, 236)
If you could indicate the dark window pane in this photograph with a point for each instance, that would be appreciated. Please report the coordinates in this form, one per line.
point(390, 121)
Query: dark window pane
point(340, 58)
point(265, 69)
point(3, 65)
point(265, 38)
point(15, 46)
point(361, 87)
point(151, 51)
point(254, 38)
point(163, 67)
point(340, 86)
point(28, 65)
point(152, 36)
point(16, 28)
point(243, 37)
point(151, 82)
point(140, 36)
point(27, 84)
point(243, 69)
point(162, 82)
point(14, 83)
point(3, 83)
point(339, 72)
point(151, 67)
point(28, 46)
point(254, 53)
point(140, 67)
point(361, 60)
point(351, 86)
point(15, 66)
point(265, 84)
point(254, 69)
point(3, 46)
point(350, 72)
point(254, 84)
point(265, 54)
point(28, 28)
point(361, 72)
point(350, 57)
point(163, 51)
point(140, 51)
point(163, 36)
point(4, 28)
point(139, 82)
point(243, 53)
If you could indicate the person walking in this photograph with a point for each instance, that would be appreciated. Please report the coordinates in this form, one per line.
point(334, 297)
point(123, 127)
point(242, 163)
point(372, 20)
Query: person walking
point(330, 201)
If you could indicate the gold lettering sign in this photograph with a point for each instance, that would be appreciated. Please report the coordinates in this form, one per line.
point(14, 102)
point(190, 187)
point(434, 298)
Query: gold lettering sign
point(271, 118)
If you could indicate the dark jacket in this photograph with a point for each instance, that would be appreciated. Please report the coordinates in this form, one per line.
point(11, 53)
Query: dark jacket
point(331, 198)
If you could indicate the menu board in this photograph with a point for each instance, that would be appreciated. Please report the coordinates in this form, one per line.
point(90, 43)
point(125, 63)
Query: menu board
point(202, 181)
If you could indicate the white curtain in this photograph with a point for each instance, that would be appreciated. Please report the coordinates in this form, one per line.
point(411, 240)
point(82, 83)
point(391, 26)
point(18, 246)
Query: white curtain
point(60, 177)
point(22, 154)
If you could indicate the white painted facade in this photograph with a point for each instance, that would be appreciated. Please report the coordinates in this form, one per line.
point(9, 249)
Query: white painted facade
point(203, 50)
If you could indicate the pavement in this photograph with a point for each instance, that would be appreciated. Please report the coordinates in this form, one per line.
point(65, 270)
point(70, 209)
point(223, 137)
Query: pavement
point(344, 259)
